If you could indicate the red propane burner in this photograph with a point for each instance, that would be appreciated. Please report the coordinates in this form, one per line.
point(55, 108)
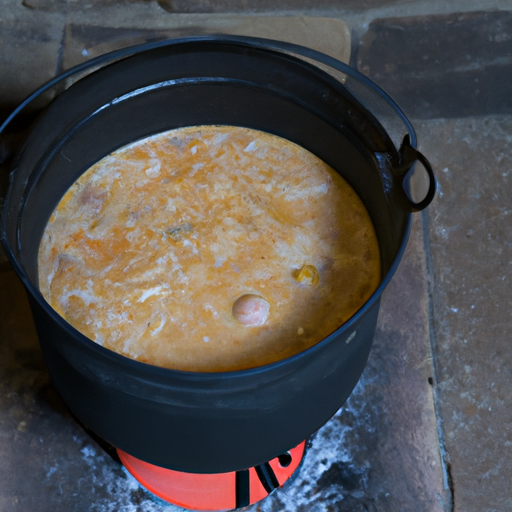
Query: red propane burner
point(219, 491)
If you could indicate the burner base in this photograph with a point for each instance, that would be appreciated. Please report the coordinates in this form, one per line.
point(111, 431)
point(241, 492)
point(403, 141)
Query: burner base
point(215, 492)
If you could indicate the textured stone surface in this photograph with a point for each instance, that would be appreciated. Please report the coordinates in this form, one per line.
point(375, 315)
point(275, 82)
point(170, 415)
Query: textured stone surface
point(242, 6)
point(443, 66)
point(29, 49)
point(471, 248)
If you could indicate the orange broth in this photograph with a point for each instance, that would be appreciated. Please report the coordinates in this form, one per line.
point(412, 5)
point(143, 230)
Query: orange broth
point(149, 250)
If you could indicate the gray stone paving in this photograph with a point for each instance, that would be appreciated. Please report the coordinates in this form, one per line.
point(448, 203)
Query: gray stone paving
point(471, 250)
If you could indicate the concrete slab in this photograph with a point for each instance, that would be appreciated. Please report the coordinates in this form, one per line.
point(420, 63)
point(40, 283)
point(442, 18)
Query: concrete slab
point(29, 50)
point(449, 65)
point(228, 6)
point(471, 251)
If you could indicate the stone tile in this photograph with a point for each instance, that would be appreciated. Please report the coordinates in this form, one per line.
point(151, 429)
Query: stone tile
point(330, 36)
point(29, 49)
point(60, 6)
point(449, 65)
point(471, 251)
point(405, 472)
point(228, 6)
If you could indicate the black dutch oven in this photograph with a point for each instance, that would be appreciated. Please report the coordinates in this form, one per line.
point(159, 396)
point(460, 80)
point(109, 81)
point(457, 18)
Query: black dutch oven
point(210, 422)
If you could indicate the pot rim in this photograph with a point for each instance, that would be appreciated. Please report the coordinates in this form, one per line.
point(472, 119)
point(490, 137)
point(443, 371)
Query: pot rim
point(296, 51)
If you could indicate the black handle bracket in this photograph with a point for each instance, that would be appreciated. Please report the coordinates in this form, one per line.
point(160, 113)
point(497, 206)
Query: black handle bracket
point(408, 158)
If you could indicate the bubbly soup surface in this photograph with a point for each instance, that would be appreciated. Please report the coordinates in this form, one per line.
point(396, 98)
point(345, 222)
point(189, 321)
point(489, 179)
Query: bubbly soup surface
point(209, 248)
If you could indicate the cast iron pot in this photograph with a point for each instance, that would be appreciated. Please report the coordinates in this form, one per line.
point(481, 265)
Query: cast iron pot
point(210, 422)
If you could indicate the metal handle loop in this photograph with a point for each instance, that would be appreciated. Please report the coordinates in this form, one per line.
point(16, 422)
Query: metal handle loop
point(409, 156)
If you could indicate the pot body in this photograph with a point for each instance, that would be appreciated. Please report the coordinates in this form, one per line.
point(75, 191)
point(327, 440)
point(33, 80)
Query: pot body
point(203, 422)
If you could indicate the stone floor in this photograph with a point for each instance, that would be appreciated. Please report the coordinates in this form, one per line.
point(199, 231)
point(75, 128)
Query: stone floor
point(429, 426)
